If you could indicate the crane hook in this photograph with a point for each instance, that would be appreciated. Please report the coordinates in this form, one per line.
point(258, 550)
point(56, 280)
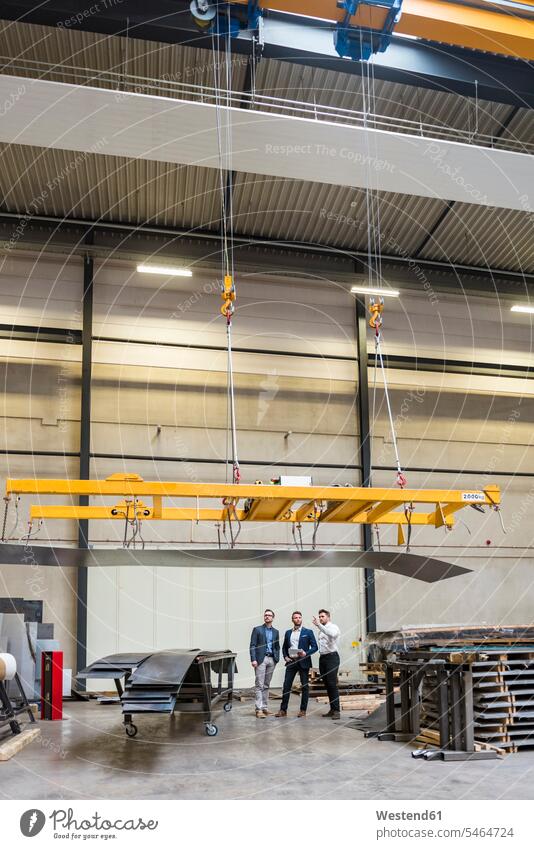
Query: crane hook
point(376, 309)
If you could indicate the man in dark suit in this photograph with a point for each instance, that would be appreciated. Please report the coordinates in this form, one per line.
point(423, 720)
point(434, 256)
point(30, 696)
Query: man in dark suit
point(264, 655)
point(299, 645)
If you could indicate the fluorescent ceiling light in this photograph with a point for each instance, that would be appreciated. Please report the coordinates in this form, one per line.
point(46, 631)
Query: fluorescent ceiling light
point(370, 290)
point(167, 270)
point(520, 308)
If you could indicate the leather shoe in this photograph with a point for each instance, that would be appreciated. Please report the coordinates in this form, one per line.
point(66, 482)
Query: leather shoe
point(266, 712)
point(301, 713)
point(335, 715)
point(329, 714)
point(281, 713)
point(259, 714)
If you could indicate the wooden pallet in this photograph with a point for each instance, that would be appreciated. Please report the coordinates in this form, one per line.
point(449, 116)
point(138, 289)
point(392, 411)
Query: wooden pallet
point(14, 743)
point(366, 702)
point(352, 688)
point(429, 738)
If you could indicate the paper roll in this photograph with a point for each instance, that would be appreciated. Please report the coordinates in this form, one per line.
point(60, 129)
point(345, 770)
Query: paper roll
point(8, 667)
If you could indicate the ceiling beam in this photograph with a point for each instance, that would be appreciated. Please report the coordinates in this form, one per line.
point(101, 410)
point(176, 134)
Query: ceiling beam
point(125, 241)
point(90, 119)
point(430, 236)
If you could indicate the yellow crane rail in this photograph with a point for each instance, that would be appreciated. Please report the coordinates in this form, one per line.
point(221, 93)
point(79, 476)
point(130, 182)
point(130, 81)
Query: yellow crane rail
point(491, 29)
point(253, 503)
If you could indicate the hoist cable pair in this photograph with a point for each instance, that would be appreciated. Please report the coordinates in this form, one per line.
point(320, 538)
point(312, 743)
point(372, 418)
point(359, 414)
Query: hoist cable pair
point(228, 293)
point(376, 307)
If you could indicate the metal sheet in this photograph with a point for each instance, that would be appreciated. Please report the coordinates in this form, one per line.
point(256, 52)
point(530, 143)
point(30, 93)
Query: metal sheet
point(165, 668)
point(462, 637)
point(148, 707)
point(112, 666)
point(427, 569)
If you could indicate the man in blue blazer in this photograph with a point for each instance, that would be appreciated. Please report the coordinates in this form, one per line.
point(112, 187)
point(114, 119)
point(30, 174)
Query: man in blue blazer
point(264, 655)
point(299, 645)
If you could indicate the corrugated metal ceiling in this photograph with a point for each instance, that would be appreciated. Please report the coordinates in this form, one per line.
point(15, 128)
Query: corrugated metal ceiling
point(135, 191)
point(59, 47)
point(344, 91)
point(521, 126)
point(109, 187)
point(500, 238)
point(118, 189)
point(329, 215)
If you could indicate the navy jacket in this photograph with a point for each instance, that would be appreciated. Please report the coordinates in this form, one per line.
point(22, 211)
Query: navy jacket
point(258, 644)
point(307, 643)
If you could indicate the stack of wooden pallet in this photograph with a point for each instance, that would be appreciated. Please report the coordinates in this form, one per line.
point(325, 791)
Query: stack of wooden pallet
point(375, 671)
point(353, 694)
point(360, 700)
point(503, 685)
point(498, 669)
point(503, 697)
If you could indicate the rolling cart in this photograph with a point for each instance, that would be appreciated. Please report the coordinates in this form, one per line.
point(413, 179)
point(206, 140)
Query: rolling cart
point(177, 680)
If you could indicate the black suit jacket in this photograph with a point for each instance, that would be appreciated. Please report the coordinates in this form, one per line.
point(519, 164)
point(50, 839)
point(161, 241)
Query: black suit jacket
point(258, 644)
point(307, 643)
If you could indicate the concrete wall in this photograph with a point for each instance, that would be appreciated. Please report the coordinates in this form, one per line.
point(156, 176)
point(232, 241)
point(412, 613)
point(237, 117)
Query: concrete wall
point(153, 399)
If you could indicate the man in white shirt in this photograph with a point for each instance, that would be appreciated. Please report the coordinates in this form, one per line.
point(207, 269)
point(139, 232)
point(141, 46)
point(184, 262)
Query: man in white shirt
point(328, 640)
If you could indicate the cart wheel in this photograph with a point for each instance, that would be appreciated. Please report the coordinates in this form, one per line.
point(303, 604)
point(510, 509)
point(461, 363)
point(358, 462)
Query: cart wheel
point(227, 706)
point(211, 730)
point(131, 729)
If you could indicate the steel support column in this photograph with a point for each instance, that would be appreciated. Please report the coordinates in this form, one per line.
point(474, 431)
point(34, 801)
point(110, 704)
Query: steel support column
point(85, 450)
point(365, 451)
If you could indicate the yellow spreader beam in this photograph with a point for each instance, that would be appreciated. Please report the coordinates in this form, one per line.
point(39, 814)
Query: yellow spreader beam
point(254, 503)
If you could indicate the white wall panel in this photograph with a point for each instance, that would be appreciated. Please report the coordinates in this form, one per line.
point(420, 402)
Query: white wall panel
point(314, 317)
point(103, 619)
point(500, 591)
point(347, 608)
point(246, 603)
point(40, 291)
point(156, 356)
point(136, 610)
point(172, 600)
point(300, 447)
point(209, 611)
point(457, 327)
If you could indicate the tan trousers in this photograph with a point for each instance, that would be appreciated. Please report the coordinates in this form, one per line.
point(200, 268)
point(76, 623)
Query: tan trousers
point(264, 673)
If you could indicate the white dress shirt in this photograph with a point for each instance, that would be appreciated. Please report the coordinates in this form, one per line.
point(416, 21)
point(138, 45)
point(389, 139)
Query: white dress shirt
point(329, 635)
point(295, 637)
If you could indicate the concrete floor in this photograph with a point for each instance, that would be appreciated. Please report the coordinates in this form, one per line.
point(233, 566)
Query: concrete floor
point(88, 755)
